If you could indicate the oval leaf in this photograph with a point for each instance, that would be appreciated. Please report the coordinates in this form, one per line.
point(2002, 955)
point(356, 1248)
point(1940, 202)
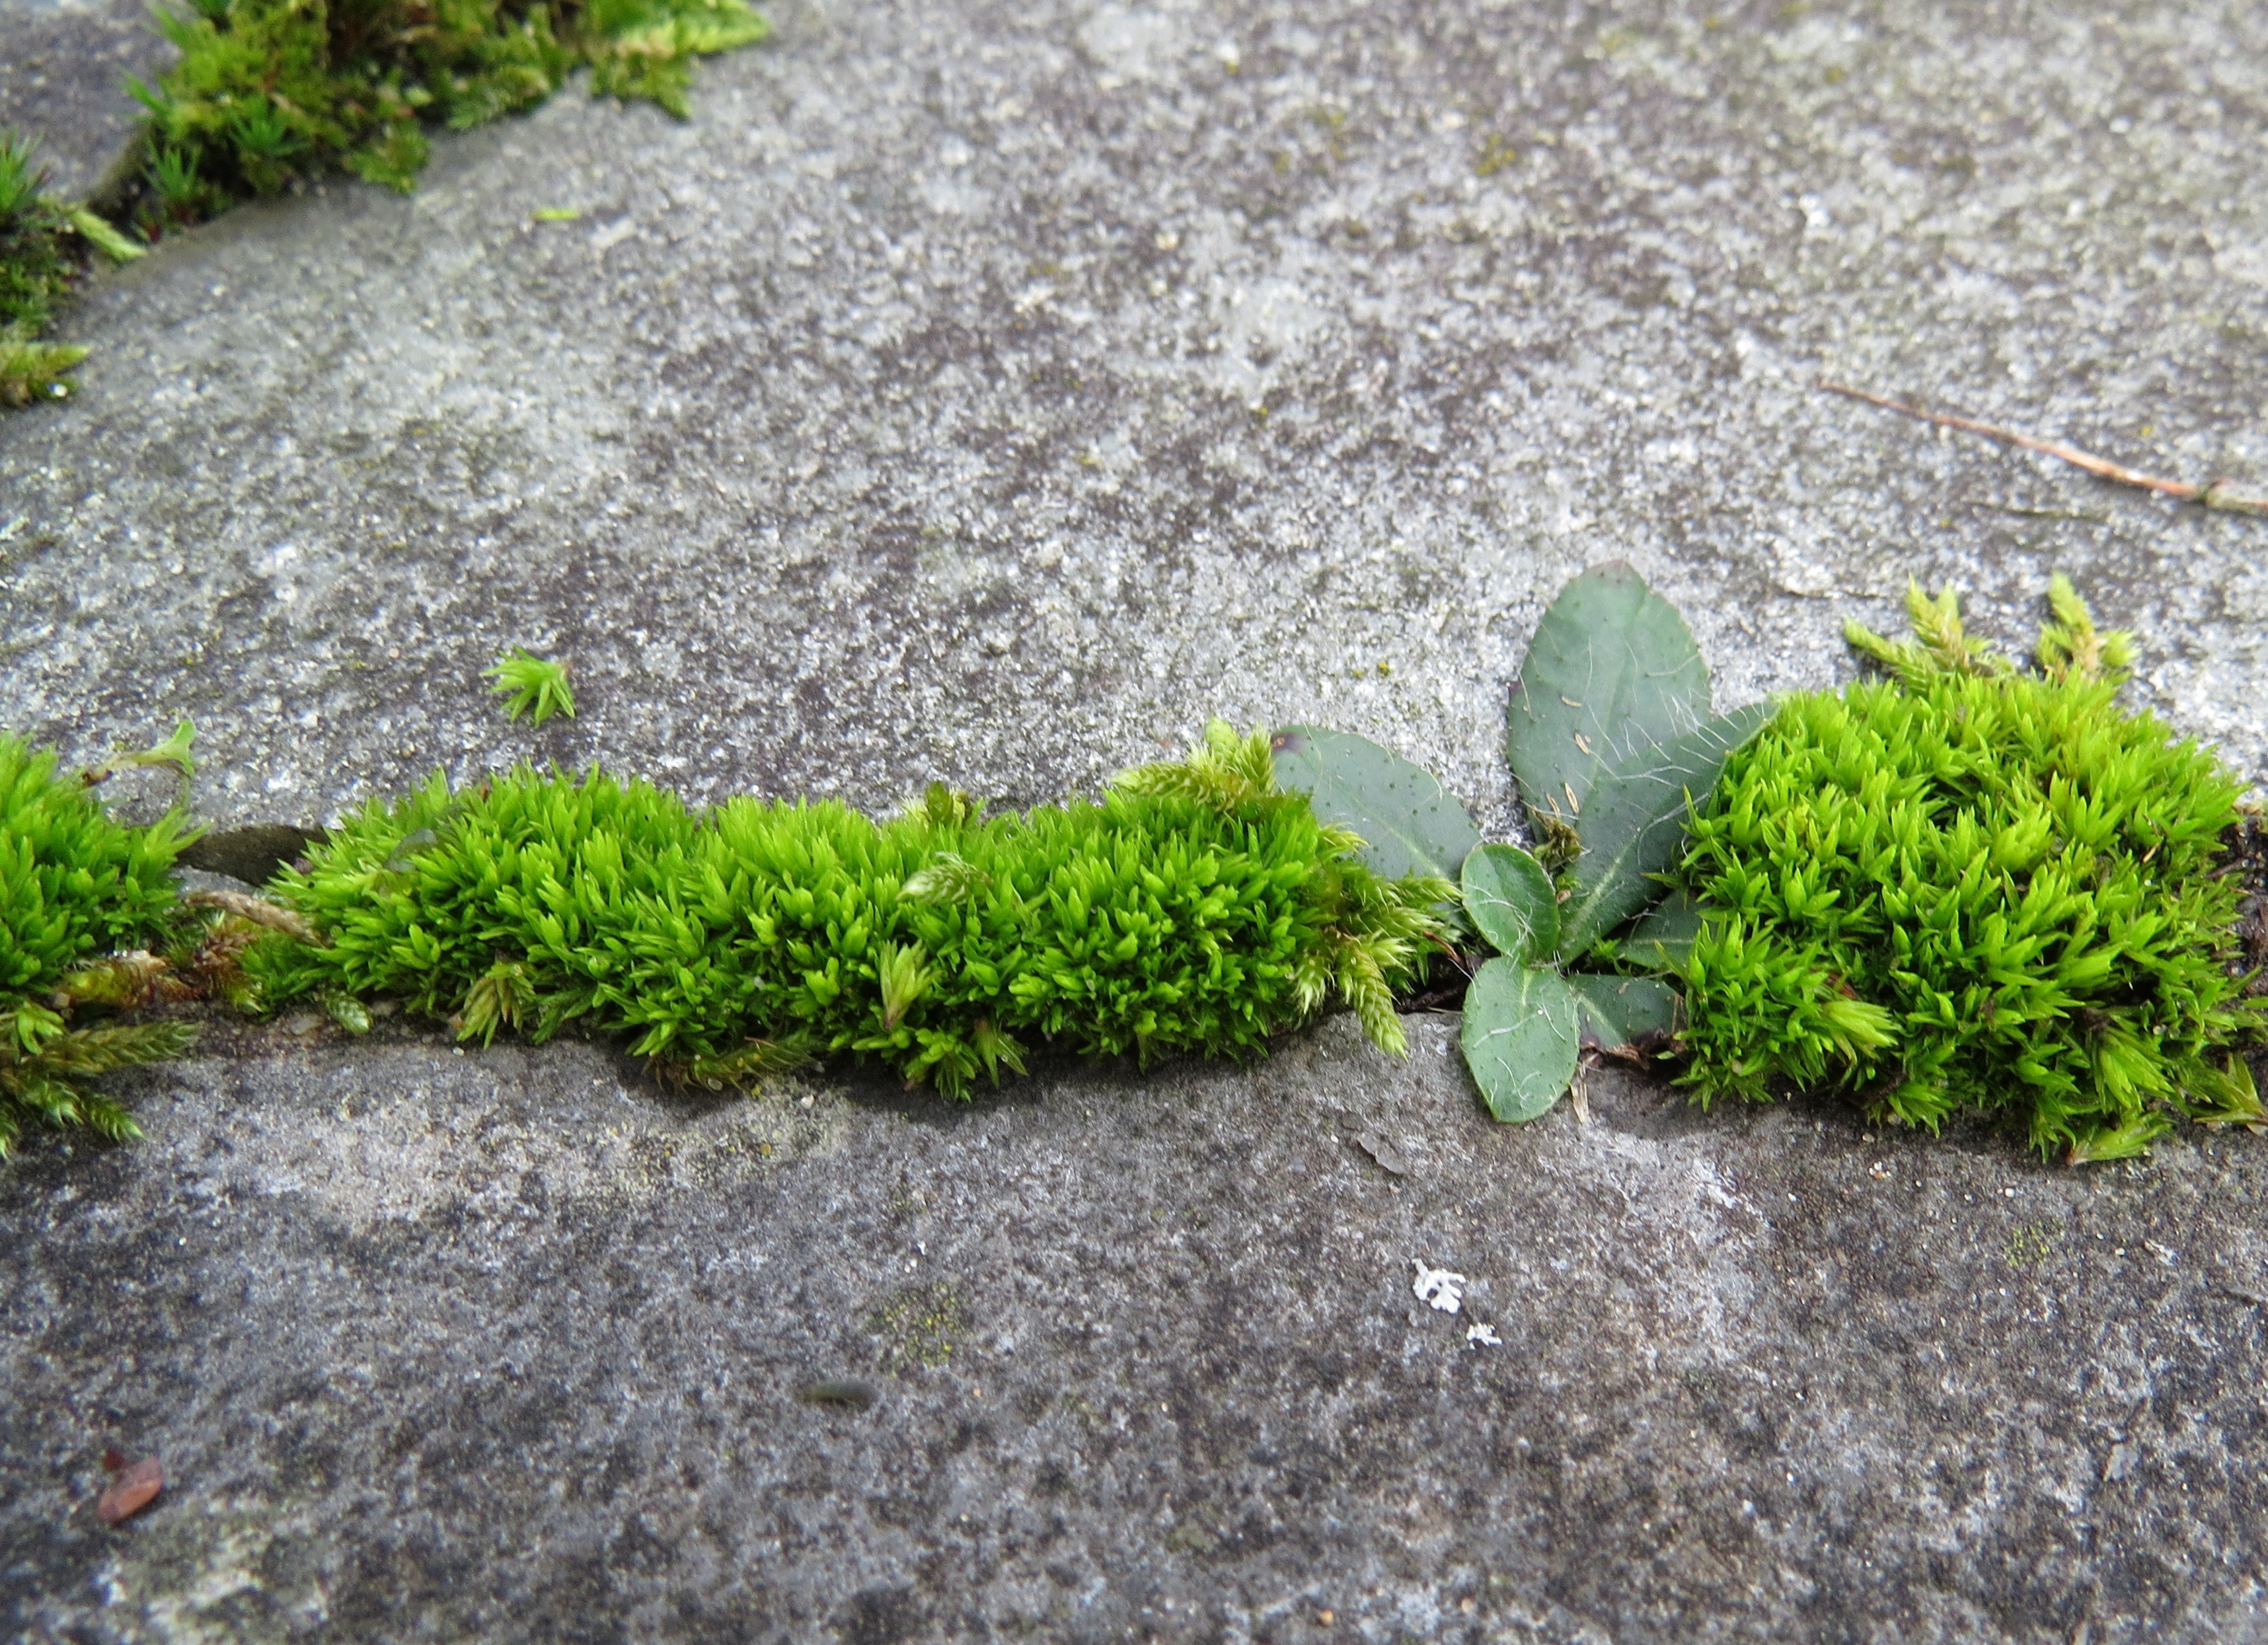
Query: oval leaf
point(1512, 903)
point(1612, 671)
point(1520, 1037)
point(1624, 1017)
point(1636, 823)
point(1408, 823)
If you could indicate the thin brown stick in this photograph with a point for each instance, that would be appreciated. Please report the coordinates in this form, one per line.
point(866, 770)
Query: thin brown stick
point(2214, 496)
point(259, 910)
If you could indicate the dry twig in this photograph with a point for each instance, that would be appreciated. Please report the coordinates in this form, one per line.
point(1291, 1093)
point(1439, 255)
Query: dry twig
point(259, 910)
point(2215, 495)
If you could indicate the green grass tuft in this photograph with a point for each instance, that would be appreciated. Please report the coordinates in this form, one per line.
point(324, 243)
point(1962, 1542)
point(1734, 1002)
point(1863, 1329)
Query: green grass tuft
point(1967, 886)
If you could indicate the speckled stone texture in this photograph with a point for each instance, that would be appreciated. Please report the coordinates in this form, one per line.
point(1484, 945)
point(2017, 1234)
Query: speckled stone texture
point(63, 68)
point(992, 394)
point(504, 1347)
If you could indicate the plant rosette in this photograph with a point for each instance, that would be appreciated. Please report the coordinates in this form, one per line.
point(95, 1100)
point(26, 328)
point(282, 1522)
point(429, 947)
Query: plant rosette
point(1613, 743)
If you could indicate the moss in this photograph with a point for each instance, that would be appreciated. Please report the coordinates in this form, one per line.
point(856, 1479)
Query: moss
point(32, 370)
point(534, 685)
point(1194, 908)
point(75, 887)
point(267, 91)
point(1969, 886)
point(42, 253)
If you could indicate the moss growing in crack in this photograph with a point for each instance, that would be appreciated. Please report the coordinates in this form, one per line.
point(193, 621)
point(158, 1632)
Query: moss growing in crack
point(1196, 908)
point(269, 90)
point(44, 246)
point(77, 888)
point(1969, 886)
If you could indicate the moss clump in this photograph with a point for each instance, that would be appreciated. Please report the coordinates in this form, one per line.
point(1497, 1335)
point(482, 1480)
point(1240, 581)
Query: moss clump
point(74, 887)
point(1971, 886)
point(269, 90)
point(35, 269)
point(74, 882)
point(37, 265)
point(1194, 909)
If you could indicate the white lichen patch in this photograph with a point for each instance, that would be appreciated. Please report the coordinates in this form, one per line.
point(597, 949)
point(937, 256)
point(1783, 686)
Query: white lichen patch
point(1439, 1288)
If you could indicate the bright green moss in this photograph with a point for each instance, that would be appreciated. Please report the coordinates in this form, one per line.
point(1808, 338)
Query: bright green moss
point(1967, 886)
point(74, 885)
point(530, 685)
point(1194, 908)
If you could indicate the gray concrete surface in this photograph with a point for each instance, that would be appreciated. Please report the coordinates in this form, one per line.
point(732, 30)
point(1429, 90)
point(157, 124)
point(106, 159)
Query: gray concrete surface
point(504, 1347)
point(63, 68)
point(993, 392)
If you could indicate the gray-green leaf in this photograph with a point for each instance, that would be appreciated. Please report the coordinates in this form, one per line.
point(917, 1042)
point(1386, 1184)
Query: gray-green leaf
point(1623, 1016)
point(1636, 822)
point(1663, 936)
point(1512, 903)
point(1408, 823)
point(1520, 1037)
point(1613, 671)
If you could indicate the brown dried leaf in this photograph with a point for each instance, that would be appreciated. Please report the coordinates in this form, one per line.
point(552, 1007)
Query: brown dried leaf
point(1382, 1148)
point(131, 1489)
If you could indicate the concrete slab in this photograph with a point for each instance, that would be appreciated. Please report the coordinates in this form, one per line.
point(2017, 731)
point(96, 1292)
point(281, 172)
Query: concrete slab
point(992, 394)
point(504, 1347)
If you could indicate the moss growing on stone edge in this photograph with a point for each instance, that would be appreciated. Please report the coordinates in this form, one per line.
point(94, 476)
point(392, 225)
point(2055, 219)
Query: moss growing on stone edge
point(269, 90)
point(1971, 885)
point(43, 247)
point(76, 889)
point(1195, 907)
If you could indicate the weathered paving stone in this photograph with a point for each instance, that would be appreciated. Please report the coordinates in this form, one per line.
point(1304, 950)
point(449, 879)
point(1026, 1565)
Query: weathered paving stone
point(63, 68)
point(992, 394)
point(505, 1346)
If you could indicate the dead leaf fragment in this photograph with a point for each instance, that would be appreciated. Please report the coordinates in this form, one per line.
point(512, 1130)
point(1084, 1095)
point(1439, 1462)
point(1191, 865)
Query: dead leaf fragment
point(132, 1488)
point(1390, 1158)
